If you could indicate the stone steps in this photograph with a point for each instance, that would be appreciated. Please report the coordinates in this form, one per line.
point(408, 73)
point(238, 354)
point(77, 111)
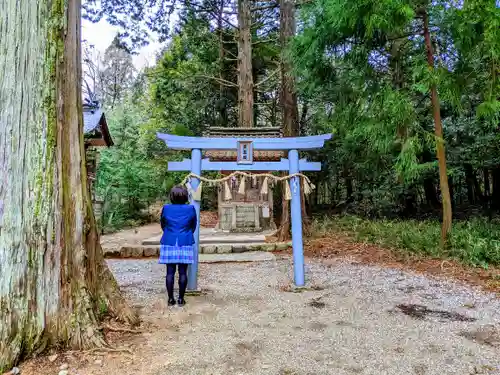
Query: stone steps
point(249, 256)
point(216, 239)
point(150, 251)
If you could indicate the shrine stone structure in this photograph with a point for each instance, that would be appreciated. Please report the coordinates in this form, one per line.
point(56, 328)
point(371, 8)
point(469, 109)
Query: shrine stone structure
point(252, 211)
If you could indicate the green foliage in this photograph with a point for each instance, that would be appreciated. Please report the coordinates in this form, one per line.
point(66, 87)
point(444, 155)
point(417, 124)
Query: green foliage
point(128, 180)
point(475, 242)
point(362, 74)
point(183, 101)
point(363, 65)
point(103, 309)
point(178, 96)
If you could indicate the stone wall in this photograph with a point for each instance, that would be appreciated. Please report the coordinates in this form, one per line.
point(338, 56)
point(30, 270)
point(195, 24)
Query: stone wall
point(245, 212)
point(245, 216)
point(151, 251)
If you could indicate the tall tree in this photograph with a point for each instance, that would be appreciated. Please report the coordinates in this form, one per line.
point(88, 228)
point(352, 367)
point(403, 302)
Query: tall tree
point(239, 19)
point(291, 124)
point(290, 120)
point(288, 97)
point(378, 85)
point(222, 108)
point(438, 130)
point(53, 276)
point(245, 72)
point(91, 80)
point(117, 72)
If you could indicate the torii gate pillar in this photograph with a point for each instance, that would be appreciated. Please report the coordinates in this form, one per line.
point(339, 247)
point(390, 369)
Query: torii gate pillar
point(296, 218)
point(193, 268)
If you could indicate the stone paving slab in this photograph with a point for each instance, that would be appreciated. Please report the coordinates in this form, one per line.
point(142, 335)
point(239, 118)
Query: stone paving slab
point(249, 256)
point(211, 236)
point(149, 251)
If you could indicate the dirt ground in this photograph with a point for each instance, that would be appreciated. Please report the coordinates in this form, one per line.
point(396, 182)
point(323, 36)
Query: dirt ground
point(337, 245)
point(133, 236)
point(355, 319)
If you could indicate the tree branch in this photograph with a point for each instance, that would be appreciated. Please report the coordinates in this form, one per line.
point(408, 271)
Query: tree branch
point(268, 78)
point(220, 80)
point(262, 25)
point(303, 2)
point(265, 41)
point(264, 7)
point(213, 12)
point(404, 36)
point(226, 21)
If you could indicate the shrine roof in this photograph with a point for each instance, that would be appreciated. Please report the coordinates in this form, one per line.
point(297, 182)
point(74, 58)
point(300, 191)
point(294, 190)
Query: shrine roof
point(258, 155)
point(95, 125)
point(258, 132)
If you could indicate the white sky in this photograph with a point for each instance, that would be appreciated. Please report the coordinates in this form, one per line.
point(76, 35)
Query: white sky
point(101, 35)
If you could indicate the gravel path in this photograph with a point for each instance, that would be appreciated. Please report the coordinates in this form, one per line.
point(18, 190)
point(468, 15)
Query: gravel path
point(250, 322)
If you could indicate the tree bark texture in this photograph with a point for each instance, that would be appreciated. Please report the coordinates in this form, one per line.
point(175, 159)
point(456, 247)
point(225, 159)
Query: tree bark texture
point(495, 194)
point(245, 75)
point(288, 93)
point(289, 109)
point(438, 131)
point(486, 177)
point(53, 276)
point(222, 107)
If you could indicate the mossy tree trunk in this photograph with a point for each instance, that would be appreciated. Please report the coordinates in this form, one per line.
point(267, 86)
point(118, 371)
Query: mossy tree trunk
point(53, 279)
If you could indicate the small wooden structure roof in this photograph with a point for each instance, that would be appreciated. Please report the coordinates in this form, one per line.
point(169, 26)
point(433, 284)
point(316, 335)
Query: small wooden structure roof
point(267, 132)
point(231, 155)
point(95, 127)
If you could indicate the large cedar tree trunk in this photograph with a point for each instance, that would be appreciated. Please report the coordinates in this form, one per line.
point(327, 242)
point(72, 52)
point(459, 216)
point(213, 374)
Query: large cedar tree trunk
point(289, 108)
point(222, 107)
point(245, 76)
point(52, 273)
point(438, 131)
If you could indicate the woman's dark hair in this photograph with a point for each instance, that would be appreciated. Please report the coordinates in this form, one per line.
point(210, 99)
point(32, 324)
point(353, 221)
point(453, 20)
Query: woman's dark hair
point(179, 195)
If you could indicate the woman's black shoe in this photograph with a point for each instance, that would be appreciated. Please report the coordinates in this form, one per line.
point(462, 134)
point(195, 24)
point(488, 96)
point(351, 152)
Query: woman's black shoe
point(181, 302)
point(171, 302)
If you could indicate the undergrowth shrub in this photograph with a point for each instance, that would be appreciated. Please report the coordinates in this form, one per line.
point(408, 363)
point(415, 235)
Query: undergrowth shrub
point(475, 242)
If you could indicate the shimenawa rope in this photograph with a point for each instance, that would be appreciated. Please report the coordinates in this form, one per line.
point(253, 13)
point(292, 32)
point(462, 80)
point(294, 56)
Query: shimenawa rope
point(196, 194)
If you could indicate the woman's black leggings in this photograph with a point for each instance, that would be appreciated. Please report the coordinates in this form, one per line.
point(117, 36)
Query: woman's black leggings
point(182, 279)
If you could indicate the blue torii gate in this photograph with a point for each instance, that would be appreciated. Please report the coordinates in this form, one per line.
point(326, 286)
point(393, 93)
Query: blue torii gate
point(245, 148)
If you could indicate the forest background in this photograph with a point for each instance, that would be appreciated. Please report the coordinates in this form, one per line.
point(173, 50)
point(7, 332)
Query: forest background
point(387, 78)
point(409, 88)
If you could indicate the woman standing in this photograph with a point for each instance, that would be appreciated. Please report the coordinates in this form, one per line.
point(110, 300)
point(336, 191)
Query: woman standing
point(178, 222)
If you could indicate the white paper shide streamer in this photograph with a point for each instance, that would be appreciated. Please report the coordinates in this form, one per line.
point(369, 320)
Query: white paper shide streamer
point(241, 189)
point(195, 194)
point(269, 179)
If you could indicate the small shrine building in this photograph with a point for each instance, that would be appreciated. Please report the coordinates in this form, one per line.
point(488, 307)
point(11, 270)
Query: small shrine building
point(251, 211)
point(96, 135)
